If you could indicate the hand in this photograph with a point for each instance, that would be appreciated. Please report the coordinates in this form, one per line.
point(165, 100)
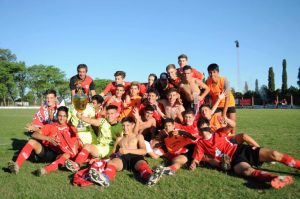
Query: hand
point(222, 96)
point(123, 151)
point(31, 128)
point(53, 140)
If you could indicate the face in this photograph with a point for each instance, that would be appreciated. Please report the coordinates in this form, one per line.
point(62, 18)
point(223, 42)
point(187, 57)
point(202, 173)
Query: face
point(151, 80)
point(127, 127)
point(204, 128)
point(182, 62)
point(96, 105)
point(148, 115)
point(62, 117)
point(169, 127)
point(187, 74)
point(214, 75)
point(206, 112)
point(119, 79)
point(112, 115)
point(189, 119)
point(134, 90)
point(172, 73)
point(51, 100)
point(82, 73)
point(152, 97)
point(172, 97)
point(120, 91)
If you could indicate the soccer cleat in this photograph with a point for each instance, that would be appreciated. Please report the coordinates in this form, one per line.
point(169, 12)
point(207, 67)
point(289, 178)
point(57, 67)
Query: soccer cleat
point(40, 172)
point(225, 164)
point(99, 178)
point(13, 167)
point(156, 175)
point(281, 181)
point(72, 166)
point(168, 171)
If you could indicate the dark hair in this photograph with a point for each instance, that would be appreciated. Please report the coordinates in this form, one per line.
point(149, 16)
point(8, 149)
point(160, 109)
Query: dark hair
point(170, 66)
point(189, 111)
point(112, 107)
point(153, 75)
point(149, 108)
point(212, 67)
point(120, 85)
point(187, 67)
point(120, 73)
point(82, 66)
point(128, 119)
point(183, 56)
point(63, 108)
point(152, 90)
point(202, 121)
point(50, 91)
point(170, 90)
point(168, 120)
point(98, 98)
point(204, 105)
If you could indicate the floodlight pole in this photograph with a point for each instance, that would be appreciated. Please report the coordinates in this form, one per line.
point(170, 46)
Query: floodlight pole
point(237, 45)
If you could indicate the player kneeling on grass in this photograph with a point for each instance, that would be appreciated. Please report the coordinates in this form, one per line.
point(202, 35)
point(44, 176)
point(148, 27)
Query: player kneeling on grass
point(130, 150)
point(54, 140)
point(242, 157)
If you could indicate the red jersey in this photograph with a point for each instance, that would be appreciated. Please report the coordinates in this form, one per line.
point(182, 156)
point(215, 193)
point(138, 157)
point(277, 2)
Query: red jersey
point(87, 84)
point(175, 143)
point(114, 102)
point(155, 115)
point(175, 82)
point(196, 73)
point(66, 135)
point(192, 129)
point(112, 87)
point(216, 146)
point(43, 117)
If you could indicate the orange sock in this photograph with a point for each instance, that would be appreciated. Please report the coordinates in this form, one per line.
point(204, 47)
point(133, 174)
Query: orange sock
point(263, 175)
point(82, 156)
point(144, 170)
point(54, 165)
point(290, 161)
point(24, 154)
point(110, 171)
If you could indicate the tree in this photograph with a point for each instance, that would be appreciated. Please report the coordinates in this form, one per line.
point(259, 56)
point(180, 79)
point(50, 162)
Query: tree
point(256, 86)
point(284, 86)
point(271, 81)
point(100, 84)
point(41, 77)
point(298, 82)
point(6, 55)
point(246, 88)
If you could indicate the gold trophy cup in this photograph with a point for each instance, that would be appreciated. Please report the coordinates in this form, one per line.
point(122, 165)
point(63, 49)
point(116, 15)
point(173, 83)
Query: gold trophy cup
point(80, 100)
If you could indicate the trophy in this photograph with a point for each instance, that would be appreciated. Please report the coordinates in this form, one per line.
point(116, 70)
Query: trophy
point(80, 100)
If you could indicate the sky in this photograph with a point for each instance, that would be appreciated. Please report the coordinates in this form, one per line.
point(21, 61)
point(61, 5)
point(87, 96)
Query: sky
point(143, 37)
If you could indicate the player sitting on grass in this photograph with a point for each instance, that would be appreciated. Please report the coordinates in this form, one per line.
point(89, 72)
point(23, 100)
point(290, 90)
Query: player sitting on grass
point(242, 157)
point(131, 150)
point(52, 141)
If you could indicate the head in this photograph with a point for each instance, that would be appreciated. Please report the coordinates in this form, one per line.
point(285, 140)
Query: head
point(97, 101)
point(134, 89)
point(128, 124)
point(62, 115)
point(119, 77)
point(112, 114)
point(205, 111)
point(172, 95)
point(82, 71)
point(189, 117)
point(182, 60)
point(213, 72)
point(171, 70)
point(152, 96)
point(120, 90)
point(151, 79)
point(148, 112)
point(169, 125)
point(163, 79)
point(51, 97)
point(187, 72)
point(203, 125)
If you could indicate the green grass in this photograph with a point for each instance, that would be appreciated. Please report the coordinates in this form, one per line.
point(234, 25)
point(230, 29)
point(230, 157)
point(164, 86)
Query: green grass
point(278, 129)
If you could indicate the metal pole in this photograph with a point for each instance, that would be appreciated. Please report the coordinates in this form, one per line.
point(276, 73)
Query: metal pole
point(237, 45)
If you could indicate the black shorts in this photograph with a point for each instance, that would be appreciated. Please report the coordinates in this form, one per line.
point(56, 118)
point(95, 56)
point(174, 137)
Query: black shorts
point(230, 109)
point(245, 153)
point(129, 161)
point(190, 152)
point(46, 155)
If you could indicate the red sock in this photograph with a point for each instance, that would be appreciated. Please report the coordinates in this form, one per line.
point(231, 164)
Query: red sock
point(173, 168)
point(144, 170)
point(24, 154)
point(82, 156)
point(110, 171)
point(290, 161)
point(54, 165)
point(263, 175)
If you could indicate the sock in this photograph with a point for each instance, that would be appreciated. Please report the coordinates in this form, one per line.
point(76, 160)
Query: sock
point(173, 168)
point(54, 165)
point(110, 171)
point(82, 156)
point(263, 175)
point(144, 170)
point(290, 161)
point(24, 154)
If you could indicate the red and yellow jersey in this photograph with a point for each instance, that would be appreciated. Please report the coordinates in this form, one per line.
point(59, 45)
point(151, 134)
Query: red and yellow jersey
point(216, 146)
point(112, 87)
point(87, 84)
point(216, 89)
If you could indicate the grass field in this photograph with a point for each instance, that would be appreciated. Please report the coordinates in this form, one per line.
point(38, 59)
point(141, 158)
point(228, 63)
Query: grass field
point(277, 129)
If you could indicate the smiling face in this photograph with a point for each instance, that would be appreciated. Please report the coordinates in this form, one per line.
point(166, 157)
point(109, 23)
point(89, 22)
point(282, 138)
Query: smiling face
point(187, 74)
point(62, 117)
point(206, 112)
point(119, 79)
point(214, 75)
point(82, 73)
point(51, 100)
point(172, 97)
point(182, 62)
point(172, 72)
point(189, 119)
point(112, 115)
point(127, 127)
point(152, 97)
point(169, 127)
point(151, 80)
